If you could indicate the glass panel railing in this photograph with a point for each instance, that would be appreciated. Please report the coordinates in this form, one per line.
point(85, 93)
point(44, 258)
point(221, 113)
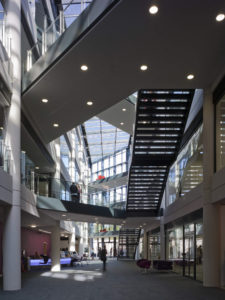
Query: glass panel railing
point(6, 42)
point(51, 32)
point(47, 186)
point(5, 157)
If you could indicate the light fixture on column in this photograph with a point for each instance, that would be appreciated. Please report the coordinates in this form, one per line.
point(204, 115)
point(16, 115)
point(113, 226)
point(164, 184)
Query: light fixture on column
point(153, 9)
point(220, 17)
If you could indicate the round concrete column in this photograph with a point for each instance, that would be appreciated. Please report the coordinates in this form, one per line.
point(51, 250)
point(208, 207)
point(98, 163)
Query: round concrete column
point(12, 225)
point(211, 212)
point(55, 248)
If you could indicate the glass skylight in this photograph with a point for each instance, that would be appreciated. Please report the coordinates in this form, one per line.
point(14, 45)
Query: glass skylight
point(104, 139)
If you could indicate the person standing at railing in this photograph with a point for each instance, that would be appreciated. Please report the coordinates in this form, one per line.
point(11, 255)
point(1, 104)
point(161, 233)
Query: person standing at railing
point(75, 194)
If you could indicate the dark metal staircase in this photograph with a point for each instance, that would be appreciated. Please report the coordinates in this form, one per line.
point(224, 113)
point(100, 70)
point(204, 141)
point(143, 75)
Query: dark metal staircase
point(160, 122)
point(128, 242)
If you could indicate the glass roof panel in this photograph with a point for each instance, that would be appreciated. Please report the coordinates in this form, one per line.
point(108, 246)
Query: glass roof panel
point(104, 139)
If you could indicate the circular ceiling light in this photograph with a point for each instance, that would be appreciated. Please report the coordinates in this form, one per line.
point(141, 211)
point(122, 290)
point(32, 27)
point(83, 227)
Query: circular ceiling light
point(37, 168)
point(90, 103)
point(44, 100)
point(33, 226)
point(220, 17)
point(144, 67)
point(63, 215)
point(153, 9)
point(190, 76)
point(124, 109)
point(121, 123)
point(56, 125)
point(84, 67)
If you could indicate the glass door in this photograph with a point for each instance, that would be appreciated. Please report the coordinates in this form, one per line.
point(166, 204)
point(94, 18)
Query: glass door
point(189, 251)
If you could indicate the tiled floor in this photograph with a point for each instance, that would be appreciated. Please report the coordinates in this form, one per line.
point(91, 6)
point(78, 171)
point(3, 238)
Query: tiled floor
point(122, 281)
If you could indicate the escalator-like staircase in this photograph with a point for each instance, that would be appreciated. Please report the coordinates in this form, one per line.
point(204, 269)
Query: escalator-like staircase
point(128, 242)
point(160, 122)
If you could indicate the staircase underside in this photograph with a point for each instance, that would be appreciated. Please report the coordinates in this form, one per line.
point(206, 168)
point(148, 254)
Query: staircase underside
point(160, 122)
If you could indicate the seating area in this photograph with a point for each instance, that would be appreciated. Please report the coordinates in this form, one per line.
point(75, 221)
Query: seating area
point(162, 265)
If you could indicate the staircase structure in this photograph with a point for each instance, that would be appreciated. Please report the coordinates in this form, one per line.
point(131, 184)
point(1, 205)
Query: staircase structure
point(161, 117)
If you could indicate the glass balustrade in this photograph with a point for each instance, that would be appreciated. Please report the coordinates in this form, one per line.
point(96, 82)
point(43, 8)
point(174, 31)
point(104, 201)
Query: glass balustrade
point(5, 157)
point(53, 29)
point(47, 186)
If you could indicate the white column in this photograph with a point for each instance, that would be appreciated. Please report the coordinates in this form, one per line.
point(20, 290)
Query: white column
point(12, 226)
point(211, 215)
point(222, 249)
point(56, 180)
point(162, 239)
point(72, 239)
point(55, 248)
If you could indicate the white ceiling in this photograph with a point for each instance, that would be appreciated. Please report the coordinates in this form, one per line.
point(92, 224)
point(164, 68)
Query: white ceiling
point(182, 38)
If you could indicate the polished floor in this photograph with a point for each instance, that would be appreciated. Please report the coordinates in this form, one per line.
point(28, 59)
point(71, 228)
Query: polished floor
point(121, 281)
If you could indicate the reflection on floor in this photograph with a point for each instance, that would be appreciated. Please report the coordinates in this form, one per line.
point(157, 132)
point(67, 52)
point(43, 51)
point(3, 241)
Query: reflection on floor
point(121, 281)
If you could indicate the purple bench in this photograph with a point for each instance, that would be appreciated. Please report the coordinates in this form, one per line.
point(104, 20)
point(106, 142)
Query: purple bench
point(162, 265)
point(144, 263)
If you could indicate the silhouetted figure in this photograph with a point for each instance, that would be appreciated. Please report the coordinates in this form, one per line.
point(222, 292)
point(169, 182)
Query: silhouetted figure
point(75, 193)
point(103, 257)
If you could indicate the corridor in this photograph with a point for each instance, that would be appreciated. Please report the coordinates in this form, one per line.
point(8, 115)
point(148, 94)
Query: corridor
point(122, 281)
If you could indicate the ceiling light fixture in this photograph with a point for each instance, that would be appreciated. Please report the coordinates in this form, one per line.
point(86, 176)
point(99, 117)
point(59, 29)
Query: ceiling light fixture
point(37, 168)
point(190, 76)
point(63, 215)
point(33, 226)
point(56, 125)
point(84, 67)
point(122, 123)
point(124, 109)
point(153, 9)
point(220, 17)
point(89, 103)
point(44, 100)
point(144, 67)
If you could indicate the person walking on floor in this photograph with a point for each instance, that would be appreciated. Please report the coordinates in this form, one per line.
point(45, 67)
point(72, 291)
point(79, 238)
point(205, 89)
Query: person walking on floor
point(103, 257)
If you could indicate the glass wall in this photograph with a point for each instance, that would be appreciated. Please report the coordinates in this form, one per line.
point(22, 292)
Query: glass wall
point(220, 134)
point(154, 246)
point(184, 246)
point(111, 165)
point(187, 172)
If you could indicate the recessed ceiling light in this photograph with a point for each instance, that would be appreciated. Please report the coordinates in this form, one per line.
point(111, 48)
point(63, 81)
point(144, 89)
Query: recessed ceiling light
point(1, 128)
point(121, 123)
point(84, 67)
point(144, 67)
point(23, 151)
point(153, 9)
point(33, 226)
point(220, 17)
point(124, 109)
point(63, 215)
point(90, 103)
point(190, 76)
point(44, 100)
point(56, 125)
point(37, 168)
